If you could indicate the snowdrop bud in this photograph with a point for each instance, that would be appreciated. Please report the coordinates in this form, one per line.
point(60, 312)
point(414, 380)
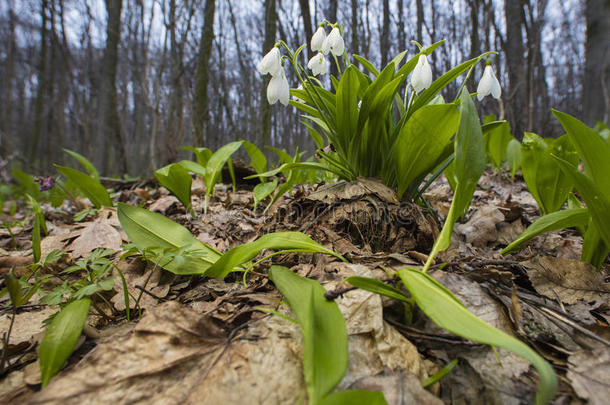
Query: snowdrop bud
point(317, 64)
point(318, 39)
point(278, 88)
point(333, 43)
point(271, 63)
point(422, 74)
point(489, 84)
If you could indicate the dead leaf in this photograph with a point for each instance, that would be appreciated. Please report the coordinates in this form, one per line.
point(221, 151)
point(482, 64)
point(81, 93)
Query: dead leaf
point(572, 280)
point(95, 235)
point(588, 371)
point(481, 227)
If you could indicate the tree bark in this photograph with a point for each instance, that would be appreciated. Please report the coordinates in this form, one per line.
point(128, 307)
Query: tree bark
point(111, 121)
point(596, 94)
point(41, 91)
point(306, 14)
point(203, 73)
point(515, 60)
point(355, 24)
point(270, 30)
point(384, 40)
point(331, 15)
point(419, 5)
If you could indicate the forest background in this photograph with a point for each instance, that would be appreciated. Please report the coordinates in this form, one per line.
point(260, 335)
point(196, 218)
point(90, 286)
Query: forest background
point(128, 82)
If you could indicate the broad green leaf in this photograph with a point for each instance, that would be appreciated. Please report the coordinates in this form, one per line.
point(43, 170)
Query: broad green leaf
point(550, 222)
point(39, 226)
point(444, 309)
point(594, 250)
point(323, 327)
point(14, 289)
point(91, 188)
point(257, 158)
point(293, 241)
point(496, 141)
point(193, 167)
point(367, 65)
point(375, 286)
point(86, 163)
point(202, 155)
point(263, 190)
point(547, 184)
point(469, 165)
point(214, 166)
point(282, 154)
point(61, 337)
point(347, 106)
point(149, 230)
point(597, 201)
point(593, 150)
point(176, 179)
point(513, 156)
point(421, 142)
point(354, 397)
point(287, 167)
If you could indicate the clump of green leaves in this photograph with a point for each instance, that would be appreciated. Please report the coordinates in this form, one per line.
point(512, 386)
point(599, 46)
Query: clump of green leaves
point(593, 186)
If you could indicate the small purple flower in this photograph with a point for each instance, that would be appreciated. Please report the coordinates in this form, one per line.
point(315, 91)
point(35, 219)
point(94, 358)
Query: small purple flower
point(45, 183)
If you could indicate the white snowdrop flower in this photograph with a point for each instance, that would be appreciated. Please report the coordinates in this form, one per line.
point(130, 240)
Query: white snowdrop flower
point(489, 84)
point(317, 40)
point(278, 88)
point(271, 63)
point(422, 74)
point(317, 64)
point(333, 43)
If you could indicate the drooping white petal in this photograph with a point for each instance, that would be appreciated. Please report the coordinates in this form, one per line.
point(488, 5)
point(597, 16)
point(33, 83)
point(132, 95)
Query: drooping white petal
point(318, 39)
point(278, 88)
point(337, 45)
point(422, 74)
point(271, 62)
point(317, 64)
point(488, 84)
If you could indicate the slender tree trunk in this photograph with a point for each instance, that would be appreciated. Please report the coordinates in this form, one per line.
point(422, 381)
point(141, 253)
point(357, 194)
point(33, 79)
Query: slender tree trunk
point(384, 40)
point(331, 15)
point(420, 20)
point(355, 25)
point(515, 60)
point(8, 136)
point(41, 91)
point(270, 30)
point(475, 42)
point(111, 121)
point(174, 133)
point(203, 73)
point(596, 95)
point(306, 14)
point(401, 35)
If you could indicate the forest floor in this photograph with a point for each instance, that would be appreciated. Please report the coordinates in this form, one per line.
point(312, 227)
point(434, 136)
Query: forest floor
point(206, 341)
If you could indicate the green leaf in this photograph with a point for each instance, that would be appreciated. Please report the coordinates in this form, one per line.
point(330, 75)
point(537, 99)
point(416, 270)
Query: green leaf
point(593, 150)
point(367, 65)
point(347, 107)
point(14, 289)
point(177, 180)
point(444, 309)
point(39, 226)
point(354, 397)
point(594, 250)
point(287, 167)
point(421, 142)
point(513, 156)
point(257, 157)
point(293, 241)
point(263, 190)
point(202, 155)
point(214, 166)
point(469, 165)
point(323, 327)
point(90, 167)
point(91, 188)
point(550, 222)
point(61, 337)
point(149, 230)
point(375, 286)
point(598, 202)
point(496, 142)
point(545, 181)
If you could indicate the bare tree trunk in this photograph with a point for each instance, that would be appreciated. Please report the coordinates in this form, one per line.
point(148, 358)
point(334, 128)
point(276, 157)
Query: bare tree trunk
point(420, 21)
point(515, 54)
point(41, 91)
point(203, 73)
point(402, 41)
point(475, 42)
point(175, 128)
point(384, 40)
point(8, 136)
point(331, 15)
point(270, 29)
point(112, 126)
point(596, 95)
point(306, 14)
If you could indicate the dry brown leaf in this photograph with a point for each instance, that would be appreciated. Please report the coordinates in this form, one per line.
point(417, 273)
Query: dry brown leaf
point(589, 372)
point(95, 235)
point(481, 227)
point(572, 280)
